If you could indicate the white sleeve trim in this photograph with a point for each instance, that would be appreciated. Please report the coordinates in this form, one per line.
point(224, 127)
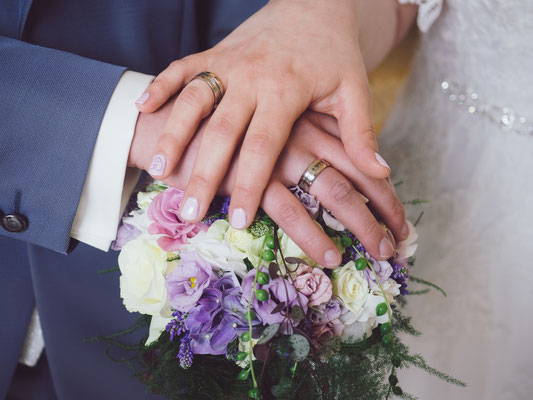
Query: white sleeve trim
point(109, 182)
point(428, 12)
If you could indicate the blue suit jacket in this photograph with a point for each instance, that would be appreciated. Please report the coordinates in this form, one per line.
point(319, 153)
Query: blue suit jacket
point(60, 61)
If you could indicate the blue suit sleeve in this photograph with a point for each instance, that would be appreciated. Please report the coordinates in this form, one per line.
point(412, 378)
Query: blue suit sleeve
point(51, 107)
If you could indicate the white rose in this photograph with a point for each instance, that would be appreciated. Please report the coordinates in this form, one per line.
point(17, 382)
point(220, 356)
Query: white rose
point(353, 329)
point(157, 327)
point(351, 287)
point(220, 254)
point(143, 266)
point(332, 222)
point(240, 238)
point(290, 249)
point(145, 198)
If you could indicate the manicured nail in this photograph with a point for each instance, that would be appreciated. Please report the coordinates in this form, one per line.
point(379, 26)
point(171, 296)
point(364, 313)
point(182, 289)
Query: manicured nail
point(365, 199)
point(381, 160)
point(385, 248)
point(189, 211)
point(143, 98)
point(158, 165)
point(405, 230)
point(238, 218)
point(332, 258)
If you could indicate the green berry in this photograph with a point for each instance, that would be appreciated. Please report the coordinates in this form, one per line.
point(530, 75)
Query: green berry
point(381, 309)
point(361, 263)
point(250, 315)
point(245, 337)
point(397, 390)
point(385, 328)
point(261, 295)
point(346, 241)
point(270, 242)
point(393, 380)
point(262, 278)
point(386, 340)
point(243, 375)
point(254, 393)
point(268, 255)
point(396, 360)
point(241, 356)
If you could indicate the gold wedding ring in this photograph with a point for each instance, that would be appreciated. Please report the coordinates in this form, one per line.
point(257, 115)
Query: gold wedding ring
point(311, 173)
point(214, 84)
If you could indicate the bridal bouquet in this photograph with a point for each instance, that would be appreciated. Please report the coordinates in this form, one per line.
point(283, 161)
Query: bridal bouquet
point(246, 313)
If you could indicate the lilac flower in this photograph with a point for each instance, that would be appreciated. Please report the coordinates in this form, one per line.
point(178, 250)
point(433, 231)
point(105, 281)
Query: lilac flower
point(218, 318)
point(383, 271)
point(125, 234)
point(176, 327)
point(187, 282)
point(219, 208)
point(185, 354)
point(279, 291)
point(400, 275)
point(311, 204)
point(327, 312)
point(350, 254)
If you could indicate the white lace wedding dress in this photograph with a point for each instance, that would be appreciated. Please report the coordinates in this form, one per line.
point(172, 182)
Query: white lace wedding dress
point(461, 137)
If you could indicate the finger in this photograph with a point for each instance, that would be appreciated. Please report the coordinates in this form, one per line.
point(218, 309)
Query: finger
point(284, 208)
point(382, 197)
point(337, 194)
point(170, 81)
point(194, 103)
point(265, 138)
point(357, 130)
point(217, 148)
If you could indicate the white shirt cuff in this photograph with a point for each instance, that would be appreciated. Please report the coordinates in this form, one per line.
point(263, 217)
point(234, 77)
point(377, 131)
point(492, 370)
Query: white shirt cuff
point(109, 181)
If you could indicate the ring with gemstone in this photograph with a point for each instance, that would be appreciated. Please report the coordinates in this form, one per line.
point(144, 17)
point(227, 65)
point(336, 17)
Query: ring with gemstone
point(311, 173)
point(214, 84)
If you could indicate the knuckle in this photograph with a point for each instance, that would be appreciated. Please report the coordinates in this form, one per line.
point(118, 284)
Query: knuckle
point(192, 96)
point(370, 227)
point(258, 144)
point(398, 211)
point(221, 128)
point(243, 192)
point(307, 241)
point(342, 192)
point(290, 213)
point(169, 140)
point(198, 182)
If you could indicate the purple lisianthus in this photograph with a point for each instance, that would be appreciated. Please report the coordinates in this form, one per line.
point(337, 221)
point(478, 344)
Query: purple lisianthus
point(383, 271)
point(327, 312)
point(279, 291)
point(218, 318)
point(310, 203)
point(186, 284)
point(125, 234)
point(163, 211)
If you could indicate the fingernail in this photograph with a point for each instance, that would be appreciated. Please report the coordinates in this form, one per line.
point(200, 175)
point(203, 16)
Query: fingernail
point(381, 160)
point(238, 218)
point(332, 258)
point(385, 248)
point(143, 98)
point(405, 230)
point(189, 211)
point(365, 199)
point(158, 165)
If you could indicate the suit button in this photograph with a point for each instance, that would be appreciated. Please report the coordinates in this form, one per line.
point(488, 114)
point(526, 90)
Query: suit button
point(15, 223)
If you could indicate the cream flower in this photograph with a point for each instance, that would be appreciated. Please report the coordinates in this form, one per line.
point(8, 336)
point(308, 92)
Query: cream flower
point(351, 287)
point(245, 348)
point(290, 249)
point(158, 325)
point(407, 248)
point(145, 198)
point(143, 266)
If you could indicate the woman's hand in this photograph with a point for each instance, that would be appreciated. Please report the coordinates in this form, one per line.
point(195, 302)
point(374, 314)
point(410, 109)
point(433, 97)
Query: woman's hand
point(334, 187)
point(290, 56)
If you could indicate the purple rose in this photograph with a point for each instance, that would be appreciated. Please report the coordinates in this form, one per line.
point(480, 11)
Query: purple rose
point(383, 271)
point(279, 291)
point(186, 284)
point(163, 211)
point(125, 234)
